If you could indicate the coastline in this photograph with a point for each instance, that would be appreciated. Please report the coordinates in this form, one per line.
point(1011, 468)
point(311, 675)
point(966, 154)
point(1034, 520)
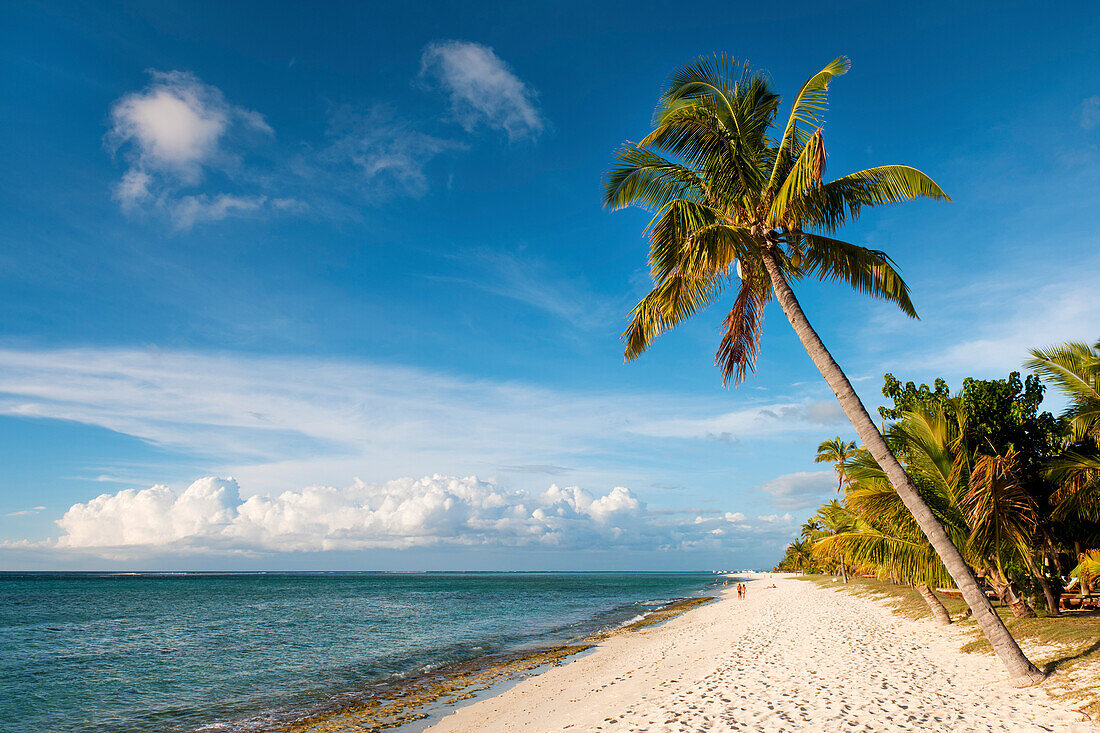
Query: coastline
point(791, 658)
point(412, 704)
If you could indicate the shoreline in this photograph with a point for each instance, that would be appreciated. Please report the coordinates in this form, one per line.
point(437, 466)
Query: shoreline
point(420, 701)
point(796, 657)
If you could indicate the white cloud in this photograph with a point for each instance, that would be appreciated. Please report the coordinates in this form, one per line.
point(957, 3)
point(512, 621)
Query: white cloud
point(799, 490)
point(482, 89)
point(190, 210)
point(753, 422)
point(210, 516)
point(1017, 315)
point(528, 280)
point(171, 134)
point(25, 512)
point(277, 422)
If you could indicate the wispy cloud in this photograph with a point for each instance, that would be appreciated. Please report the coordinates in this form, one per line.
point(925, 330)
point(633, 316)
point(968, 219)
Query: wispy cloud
point(526, 279)
point(988, 327)
point(801, 490)
point(378, 154)
point(759, 421)
point(278, 422)
point(178, 133)
point(482, 89)
point(190, 210)
point(25, 512)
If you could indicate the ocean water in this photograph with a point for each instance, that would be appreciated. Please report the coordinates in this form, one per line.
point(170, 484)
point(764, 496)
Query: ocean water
point(129, 653)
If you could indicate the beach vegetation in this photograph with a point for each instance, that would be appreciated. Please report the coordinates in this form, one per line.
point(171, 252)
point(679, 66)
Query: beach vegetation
point(742, 202)
point(1013, 486)
point(836, 451)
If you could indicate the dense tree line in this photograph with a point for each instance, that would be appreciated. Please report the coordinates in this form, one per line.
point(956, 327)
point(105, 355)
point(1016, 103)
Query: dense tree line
point(1017, 489)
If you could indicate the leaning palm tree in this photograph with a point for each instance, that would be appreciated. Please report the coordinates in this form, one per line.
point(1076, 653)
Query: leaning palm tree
point(729, 197)
point(836, 452)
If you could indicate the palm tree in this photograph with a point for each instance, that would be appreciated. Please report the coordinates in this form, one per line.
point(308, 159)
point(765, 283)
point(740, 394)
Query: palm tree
point(730, 198)
point(836, 451)
point(1074, 368)
point(889, 546)
point(800, 553)
point(831, 520)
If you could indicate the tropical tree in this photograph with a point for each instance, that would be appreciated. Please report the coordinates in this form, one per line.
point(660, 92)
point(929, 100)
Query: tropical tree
point(835, 451)
point(831, 520)
point(730, 197)
point(1074, 368)
point(800, 554)
point(1088, 566)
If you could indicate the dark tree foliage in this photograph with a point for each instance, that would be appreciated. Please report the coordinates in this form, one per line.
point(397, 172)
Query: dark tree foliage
point(997, 414)
point(912, 398)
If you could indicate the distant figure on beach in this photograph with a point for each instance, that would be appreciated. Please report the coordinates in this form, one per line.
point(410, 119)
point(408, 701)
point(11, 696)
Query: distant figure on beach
point(740, 591)
point(744, 591)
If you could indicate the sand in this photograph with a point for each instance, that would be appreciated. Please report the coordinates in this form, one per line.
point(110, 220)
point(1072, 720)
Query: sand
point(797, 657)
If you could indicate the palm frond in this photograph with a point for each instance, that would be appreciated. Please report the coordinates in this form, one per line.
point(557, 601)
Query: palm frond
point(670, 232)
point(646, 179)
point(671, 302)
point(741, 341)
point(1000, 512)
point(808, 109)
point(805, 175)
point(1077, 476)
point(864, 270)
point(1074, 368)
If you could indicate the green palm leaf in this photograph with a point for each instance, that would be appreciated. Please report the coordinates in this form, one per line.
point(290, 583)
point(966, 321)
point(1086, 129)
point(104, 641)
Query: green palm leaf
point(867, 271)
point(808, 109)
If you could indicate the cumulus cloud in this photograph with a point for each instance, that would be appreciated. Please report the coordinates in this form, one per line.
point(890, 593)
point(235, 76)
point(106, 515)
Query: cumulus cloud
point(210, 516)
point(799, 490)
point(171, 133)
point(482, 89)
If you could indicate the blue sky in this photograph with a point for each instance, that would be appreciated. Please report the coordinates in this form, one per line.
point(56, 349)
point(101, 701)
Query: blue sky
point(354, 255)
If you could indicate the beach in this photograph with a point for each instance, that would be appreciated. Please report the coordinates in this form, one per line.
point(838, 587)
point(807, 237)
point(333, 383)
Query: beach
point(796, 657)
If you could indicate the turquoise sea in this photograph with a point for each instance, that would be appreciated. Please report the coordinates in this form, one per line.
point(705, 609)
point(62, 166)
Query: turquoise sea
point(129, 653)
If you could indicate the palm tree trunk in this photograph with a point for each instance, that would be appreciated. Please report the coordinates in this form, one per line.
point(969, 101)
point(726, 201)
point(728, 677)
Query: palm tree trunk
point(1020, 669)
point(1048, 592)
point(843, 569)
point(939, 611)
point(1007, 591)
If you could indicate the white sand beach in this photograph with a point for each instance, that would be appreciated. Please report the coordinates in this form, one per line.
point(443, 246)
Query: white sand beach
point(796, 657)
